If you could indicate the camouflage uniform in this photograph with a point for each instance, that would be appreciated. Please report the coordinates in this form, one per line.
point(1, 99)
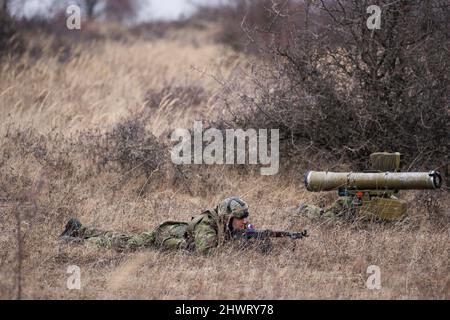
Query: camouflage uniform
point(351, 208)
point(203, 233)
point(341, 208)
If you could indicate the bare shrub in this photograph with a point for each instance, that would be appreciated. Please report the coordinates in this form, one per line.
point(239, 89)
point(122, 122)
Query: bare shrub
point(120, 10)
point(343, 88)
point(131, 146)
point(247, 25)
point(10, 39)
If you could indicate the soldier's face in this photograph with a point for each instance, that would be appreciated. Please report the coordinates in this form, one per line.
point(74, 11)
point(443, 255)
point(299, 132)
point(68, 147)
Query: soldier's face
point(239, 224)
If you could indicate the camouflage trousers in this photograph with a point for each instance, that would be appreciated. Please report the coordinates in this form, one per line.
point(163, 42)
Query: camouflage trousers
point(341, 208)
point(167, 236)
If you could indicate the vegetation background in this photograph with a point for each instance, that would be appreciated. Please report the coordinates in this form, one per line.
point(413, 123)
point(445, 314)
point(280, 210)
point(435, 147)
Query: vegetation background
point(86, 118)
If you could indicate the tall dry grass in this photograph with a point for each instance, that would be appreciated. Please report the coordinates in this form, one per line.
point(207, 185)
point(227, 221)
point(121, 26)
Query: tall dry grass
point(51, 170)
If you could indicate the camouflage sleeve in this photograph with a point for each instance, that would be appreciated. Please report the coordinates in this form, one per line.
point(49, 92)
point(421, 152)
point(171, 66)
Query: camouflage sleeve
point(205, 236)
point(339, 208)
point(311, 211)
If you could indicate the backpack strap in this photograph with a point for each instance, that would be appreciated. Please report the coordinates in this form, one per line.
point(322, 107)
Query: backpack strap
point(195, 221)
point(220, 227)
point(212, 215)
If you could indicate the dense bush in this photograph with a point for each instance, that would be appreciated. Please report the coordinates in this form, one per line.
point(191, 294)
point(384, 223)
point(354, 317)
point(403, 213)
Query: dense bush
point(131, 146)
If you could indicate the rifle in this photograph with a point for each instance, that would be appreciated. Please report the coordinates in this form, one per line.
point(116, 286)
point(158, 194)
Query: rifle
point(251, 233)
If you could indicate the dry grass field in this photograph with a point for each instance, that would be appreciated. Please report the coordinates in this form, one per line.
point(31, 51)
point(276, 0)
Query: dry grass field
point(56, 110)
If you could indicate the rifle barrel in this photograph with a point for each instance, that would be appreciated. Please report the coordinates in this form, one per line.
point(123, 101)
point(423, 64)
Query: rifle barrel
point(262, 234)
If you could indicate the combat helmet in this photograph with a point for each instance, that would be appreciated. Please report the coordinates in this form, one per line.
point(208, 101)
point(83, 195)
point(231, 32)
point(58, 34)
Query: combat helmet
point(233, 206)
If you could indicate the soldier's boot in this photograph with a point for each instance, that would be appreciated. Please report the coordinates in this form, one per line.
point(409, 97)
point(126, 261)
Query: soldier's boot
point(71, 230)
